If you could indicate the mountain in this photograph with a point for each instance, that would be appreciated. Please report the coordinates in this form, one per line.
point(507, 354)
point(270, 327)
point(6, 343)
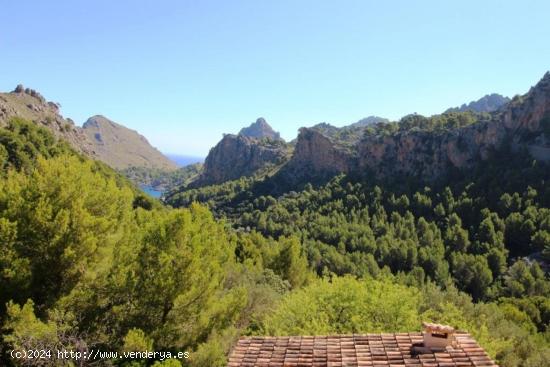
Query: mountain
point(30, 105)
point(257, 148)
point(350, 134)
point(424, 148)
point(121, 147)
point(260, 129)
point(488, 103)
point(367, 121)
point(427, 148)
point(99, 138)
point(239, 155)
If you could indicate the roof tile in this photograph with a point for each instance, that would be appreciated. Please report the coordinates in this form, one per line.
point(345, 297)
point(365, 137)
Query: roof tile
point(357, 350)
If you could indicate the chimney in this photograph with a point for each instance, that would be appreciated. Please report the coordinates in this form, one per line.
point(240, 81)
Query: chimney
point(437, 335)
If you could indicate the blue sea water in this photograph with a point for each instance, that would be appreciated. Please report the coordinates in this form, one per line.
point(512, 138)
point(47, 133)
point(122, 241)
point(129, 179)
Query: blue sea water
point(184, 160)
point(180, 160)
point(151, 191)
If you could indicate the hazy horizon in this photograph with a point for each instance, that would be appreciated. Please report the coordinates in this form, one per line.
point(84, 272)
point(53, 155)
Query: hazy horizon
point(183, 73)
point(183, 159)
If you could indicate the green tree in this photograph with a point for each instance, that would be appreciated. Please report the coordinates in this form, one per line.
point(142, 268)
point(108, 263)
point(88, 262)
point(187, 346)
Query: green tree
point(456, 238)
point(472, 274)
point(290, 262)
point(60, 219)
point(345, 305)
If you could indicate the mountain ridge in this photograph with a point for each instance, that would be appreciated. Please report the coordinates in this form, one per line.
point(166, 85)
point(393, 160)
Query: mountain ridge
point(423, 147)
point(429, 154)
point(121, 147)
point(488, 103)
point(30, 105)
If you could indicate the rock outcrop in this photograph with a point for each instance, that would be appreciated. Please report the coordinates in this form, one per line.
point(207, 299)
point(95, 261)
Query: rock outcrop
point(238, 155)
point(121, 147)
point(30, 105)
point(317, 155)
point(260, 129)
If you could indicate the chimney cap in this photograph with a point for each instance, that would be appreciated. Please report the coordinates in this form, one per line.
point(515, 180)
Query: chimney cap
point(438, 328)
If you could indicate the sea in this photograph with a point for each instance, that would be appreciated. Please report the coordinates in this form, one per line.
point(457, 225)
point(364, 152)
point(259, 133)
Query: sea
point(180, 160)
point(151, 191)
point(184, 160)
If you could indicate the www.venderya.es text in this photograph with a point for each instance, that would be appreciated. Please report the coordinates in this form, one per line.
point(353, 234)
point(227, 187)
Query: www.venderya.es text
point(94, 354)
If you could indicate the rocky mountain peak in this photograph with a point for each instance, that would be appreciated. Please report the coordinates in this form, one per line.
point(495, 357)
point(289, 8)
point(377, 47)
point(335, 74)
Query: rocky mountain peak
point(260, 129)
point(261, 121)
point(488, 103)
point(239, 155)
point(97, 121)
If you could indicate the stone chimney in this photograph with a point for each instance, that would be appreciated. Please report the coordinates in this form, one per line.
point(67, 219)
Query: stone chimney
point(436, 339)
point(437, 335)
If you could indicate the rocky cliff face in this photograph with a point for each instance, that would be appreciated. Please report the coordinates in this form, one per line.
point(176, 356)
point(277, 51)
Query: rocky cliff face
point(316, 154)
point(30, 105)
point(238, 155)
point(121, 147)
point(425, 156)
point(428, 154)
point(260, 129)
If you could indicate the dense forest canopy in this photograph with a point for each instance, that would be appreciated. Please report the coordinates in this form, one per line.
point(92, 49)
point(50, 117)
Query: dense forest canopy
point(88, 262)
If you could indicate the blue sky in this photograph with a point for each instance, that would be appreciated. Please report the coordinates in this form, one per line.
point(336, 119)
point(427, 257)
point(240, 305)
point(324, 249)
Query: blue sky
point(184, 72)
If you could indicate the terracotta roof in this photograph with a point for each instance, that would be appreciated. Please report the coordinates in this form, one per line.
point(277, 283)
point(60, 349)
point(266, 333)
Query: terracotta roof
point(354, 350)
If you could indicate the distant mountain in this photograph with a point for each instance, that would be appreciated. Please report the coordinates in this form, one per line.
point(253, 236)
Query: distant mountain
point(326, 129)
point(488, 103)
point(370, 120)
point(260, 129)
point(349, 134)
point(121, 147)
